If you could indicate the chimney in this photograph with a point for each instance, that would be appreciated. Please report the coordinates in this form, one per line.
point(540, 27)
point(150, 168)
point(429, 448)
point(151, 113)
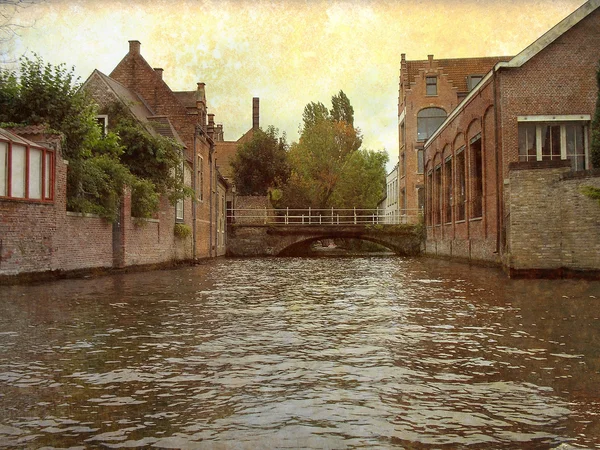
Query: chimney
point(211, 126)
point(134, 47)
point(430, 59)
point(159, 72)
point(219, 133)
point(255, 113)
point(201, 94)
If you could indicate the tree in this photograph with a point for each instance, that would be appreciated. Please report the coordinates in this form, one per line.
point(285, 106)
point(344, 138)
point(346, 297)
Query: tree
point(363, 180)
point(99, 166)
point(9, 28)
point(328, 167)
point(262, 163)
point(595, 144)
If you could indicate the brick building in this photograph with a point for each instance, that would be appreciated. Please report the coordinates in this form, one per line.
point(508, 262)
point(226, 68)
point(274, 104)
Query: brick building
point(503, 154)
point(428, 91)
point(182, 116)
point(225, 152)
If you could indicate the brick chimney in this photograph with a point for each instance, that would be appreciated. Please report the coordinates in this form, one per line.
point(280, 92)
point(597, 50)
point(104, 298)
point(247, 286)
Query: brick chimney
point(159, 72)
point(255, 113)
point(430, 59)
point(211, 126)
point(134, 47)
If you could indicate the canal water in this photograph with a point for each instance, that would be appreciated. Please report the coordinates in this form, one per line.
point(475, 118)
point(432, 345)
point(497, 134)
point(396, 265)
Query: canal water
point(322, 353)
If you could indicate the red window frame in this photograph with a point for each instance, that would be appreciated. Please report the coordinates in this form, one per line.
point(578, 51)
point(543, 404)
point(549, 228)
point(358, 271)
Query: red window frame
point(46, 197)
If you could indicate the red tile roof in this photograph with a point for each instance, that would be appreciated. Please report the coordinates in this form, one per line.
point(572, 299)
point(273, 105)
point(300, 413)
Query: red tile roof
point(457, 69)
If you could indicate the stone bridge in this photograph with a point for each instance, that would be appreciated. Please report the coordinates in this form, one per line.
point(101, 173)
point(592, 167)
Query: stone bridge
point(273, 239)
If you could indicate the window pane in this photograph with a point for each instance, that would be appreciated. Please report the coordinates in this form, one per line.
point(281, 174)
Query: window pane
point(420, 161)
point(3, 167)
point(477, 179)
point(448, 191)
point(575, 146)
point(179, 210)
point(527, 143)
point(428, 121)
point(460, 186)
point(35, 173)
point(17, 186)
point(431, 85)
point(47, 178)
point(550, 142)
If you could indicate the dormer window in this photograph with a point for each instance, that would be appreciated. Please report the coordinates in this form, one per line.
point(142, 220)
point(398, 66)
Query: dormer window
point(431, 85)
point(473, 80)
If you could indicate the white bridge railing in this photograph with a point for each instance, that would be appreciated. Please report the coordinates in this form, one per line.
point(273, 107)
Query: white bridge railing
point(330, 216)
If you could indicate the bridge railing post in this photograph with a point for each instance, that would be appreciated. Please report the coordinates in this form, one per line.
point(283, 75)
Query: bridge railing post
point(309, 215)
point(355, 215)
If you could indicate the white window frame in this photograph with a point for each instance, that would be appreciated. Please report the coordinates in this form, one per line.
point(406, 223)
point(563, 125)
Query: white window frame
point(562, 120)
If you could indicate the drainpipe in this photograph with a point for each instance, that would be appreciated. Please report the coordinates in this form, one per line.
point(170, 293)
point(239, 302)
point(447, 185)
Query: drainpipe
point(210, 200)
point(499, 170)
point(195, 199)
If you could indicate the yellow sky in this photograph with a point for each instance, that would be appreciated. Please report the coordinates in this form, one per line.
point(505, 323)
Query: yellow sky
point(287, 52)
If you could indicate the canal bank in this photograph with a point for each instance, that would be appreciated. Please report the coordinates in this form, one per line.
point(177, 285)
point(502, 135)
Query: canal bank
point(301, 352)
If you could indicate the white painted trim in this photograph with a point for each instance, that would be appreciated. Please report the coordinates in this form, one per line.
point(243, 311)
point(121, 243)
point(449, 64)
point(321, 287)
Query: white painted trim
point(401, 116)
point(551, 35)
point(555, 118)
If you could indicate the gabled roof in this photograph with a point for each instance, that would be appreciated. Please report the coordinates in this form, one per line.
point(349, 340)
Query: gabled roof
point(536, 47)
point(10, 136)
point(457, 69)
point(187, 98)
point(155, 125)
point(552, 34)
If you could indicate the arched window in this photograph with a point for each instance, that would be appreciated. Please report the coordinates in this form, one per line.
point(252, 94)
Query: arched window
point(429, 120)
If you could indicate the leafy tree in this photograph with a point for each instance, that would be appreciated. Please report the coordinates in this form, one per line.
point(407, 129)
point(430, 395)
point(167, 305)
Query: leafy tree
point(99, 166)
point(363, 180)
point(262, 163)
point(595, 150)
point(329, 169)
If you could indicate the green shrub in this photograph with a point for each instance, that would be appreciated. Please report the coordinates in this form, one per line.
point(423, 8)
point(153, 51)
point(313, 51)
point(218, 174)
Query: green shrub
point(182, 230)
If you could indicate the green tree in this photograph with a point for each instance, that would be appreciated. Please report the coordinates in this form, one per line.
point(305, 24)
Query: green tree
point(595, 144)
point(363, 180)
point(99, 166)
point(262, 163)
point(328, 167)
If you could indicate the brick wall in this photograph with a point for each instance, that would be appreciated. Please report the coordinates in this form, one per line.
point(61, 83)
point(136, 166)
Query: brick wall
point(553, 226)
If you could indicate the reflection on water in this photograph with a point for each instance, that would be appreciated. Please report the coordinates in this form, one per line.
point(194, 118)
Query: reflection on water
point(301, 353)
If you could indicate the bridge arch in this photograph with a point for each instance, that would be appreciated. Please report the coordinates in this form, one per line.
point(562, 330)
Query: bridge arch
point(263, 240)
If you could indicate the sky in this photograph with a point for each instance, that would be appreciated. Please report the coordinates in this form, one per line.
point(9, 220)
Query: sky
point(288, 52)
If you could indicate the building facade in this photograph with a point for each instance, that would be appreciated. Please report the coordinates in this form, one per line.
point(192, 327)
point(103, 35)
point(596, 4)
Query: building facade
point(182, 116)
point(428, 91)
point(516, 135)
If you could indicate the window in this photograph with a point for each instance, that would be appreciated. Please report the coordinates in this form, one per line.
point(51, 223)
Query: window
point(428, 121)
point(420, 198)
point(402, 165)
point(548, 141)
point(402, 131)
point(179, 204)
point(102, 121)
point(461, 196)
point(431, 85)
point(473, 80)
point(179, 211)
point(448, 190)
point(437, 192)
point(200, 179)
point(403, 201)
point(429, 196)
point(476, 177)
point(26, 172)
point(527, 143)
point(420, 161)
